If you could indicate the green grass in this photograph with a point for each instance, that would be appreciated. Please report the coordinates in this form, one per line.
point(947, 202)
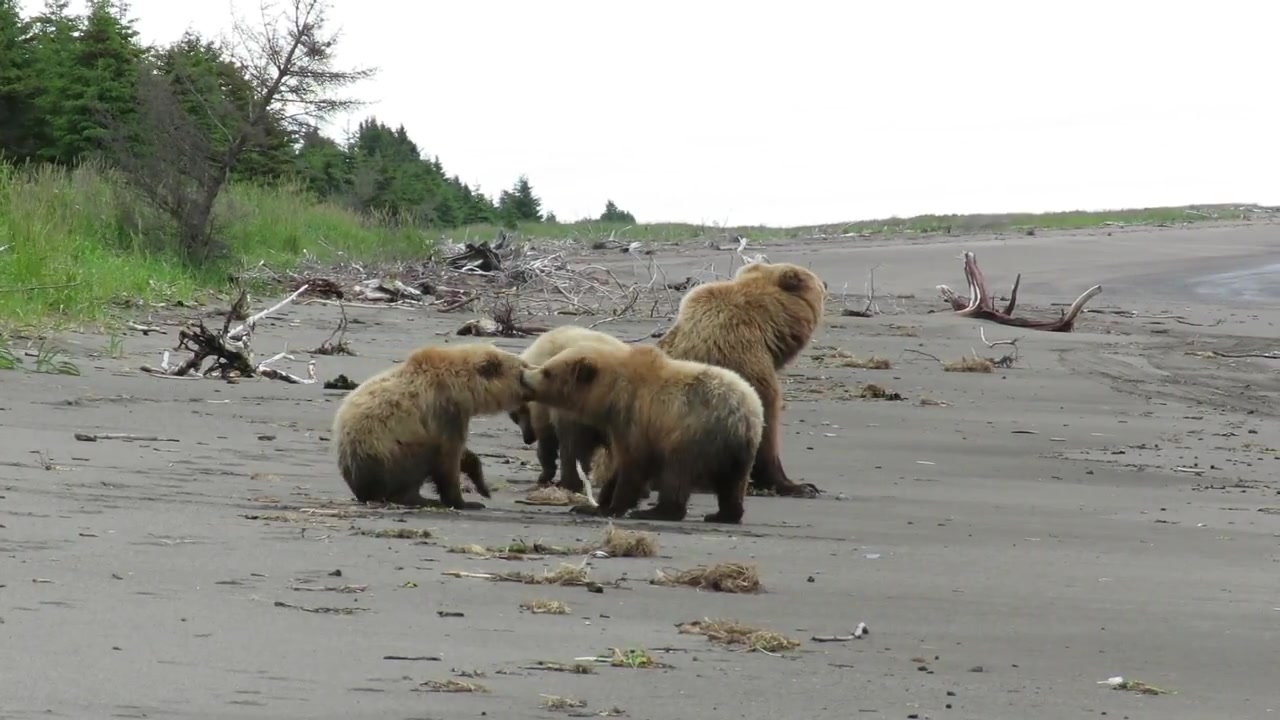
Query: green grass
point(72, 247)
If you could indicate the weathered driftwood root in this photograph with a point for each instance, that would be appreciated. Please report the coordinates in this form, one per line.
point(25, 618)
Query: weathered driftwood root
point(230, 350)
point(981, 303)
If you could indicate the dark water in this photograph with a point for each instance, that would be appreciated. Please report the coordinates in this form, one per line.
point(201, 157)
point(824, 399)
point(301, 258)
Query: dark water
point(1259, 284)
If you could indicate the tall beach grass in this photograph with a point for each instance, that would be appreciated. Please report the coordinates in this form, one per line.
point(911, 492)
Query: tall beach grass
point(75, 245)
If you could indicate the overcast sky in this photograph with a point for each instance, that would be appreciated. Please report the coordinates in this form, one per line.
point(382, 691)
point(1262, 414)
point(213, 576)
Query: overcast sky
point(742, 112)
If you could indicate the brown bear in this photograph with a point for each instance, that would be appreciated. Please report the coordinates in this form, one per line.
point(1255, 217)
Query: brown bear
point(410, 422)
point(754, 324)
point(558, 432)
point(669, 422)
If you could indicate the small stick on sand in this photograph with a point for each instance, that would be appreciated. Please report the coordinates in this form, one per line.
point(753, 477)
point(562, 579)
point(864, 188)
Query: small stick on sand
point(939, 360)
point(271, 373)
point(1006, 361)
point(127, 437)
point(144, 329)
point(586, 485)
point(1272, 355)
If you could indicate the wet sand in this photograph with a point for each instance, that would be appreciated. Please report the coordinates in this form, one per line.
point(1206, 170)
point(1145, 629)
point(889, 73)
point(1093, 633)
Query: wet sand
point(1008, 549)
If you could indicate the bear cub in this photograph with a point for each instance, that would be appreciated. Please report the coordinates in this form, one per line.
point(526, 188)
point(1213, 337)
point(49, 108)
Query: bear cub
point(559, 433)
point(409, 423)
point(668, 422)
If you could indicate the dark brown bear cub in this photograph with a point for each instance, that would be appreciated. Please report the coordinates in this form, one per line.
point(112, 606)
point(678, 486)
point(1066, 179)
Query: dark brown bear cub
point(671, 422)
point(557, 432)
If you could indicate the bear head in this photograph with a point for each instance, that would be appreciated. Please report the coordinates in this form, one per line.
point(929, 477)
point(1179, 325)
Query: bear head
point(570, 380)
point(496, 379)
point(795, 280)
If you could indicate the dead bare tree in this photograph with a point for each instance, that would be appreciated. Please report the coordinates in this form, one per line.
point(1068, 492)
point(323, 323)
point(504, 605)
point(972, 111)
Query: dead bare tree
point(981, 303)
point(289, 61)
point(180, 149)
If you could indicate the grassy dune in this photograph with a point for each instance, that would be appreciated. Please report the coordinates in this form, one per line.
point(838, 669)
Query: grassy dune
point(72, 247)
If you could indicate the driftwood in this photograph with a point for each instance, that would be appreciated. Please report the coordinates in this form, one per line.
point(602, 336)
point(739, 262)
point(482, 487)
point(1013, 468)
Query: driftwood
point(230, 350)
point(127, 437)
point(378, 290)
point(501, 322)
point(337, 343)
point(475, 258)
point(981, 303)
point(321, 287)
point(872, 309)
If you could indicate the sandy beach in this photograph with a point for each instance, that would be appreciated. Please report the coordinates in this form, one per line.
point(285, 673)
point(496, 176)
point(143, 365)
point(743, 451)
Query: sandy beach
point(1107, 507)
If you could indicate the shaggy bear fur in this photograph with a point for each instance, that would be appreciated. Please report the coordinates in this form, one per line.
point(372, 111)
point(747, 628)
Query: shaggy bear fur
point(409, 423)
point(754, 324)
point(667, 421)
point(560, 432)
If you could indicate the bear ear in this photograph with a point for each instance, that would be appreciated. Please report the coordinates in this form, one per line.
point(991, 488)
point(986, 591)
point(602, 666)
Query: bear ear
point(583, 371)
point(489, 368)
point(791, 280)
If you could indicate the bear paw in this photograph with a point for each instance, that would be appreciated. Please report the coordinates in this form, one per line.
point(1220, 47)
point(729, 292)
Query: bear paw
point(800, 490)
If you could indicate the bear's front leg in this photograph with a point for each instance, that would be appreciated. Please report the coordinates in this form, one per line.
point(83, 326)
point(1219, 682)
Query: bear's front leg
point(548, 449)
point(447, 476)
point(630, 481)
point(573, 450)
point(673, 499)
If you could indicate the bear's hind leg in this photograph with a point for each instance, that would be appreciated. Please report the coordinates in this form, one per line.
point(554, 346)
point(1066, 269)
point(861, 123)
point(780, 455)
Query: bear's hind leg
point(578, 443)
point(730, 485)
point(366, 475)
point(766, 472)
point(397, 479)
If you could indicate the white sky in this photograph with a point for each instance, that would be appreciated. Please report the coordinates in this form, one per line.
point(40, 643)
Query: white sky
point(742, 112)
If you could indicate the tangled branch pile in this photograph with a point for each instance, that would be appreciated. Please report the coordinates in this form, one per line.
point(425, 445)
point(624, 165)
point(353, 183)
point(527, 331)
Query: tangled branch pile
point(503, 281)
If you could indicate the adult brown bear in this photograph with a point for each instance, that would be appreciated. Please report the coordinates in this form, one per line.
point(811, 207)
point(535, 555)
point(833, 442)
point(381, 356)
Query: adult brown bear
point(559, 432)
point(410, 422)
point(754, 324)
point(667, 422)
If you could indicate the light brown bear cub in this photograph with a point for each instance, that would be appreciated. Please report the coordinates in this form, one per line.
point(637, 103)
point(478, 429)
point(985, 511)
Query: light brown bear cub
point(754, 324)
point(666, 421)
point(559, 433)
point(410, 422)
